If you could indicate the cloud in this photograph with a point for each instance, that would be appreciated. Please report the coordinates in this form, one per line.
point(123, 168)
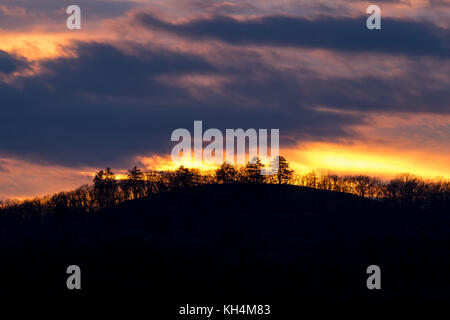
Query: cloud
point(14, 12)
point(405, 37)
point(409, 93)
point(10, 63)
point(51, 14)
point(107, 105)
point(25, 180)
point(105, 102)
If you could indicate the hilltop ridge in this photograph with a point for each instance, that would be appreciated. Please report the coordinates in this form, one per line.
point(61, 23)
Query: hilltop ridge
point(221, 242)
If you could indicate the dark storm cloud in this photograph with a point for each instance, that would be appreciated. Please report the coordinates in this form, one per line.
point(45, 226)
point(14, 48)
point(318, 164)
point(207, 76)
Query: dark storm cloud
point(102, 69)
point(107, 105)
point(94, 108)
point(411, 94)
point(10, 63)
point(347, 34)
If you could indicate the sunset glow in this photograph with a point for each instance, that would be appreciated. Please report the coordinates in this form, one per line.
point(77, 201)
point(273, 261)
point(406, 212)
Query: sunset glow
point(361, 160)
point(110, 94)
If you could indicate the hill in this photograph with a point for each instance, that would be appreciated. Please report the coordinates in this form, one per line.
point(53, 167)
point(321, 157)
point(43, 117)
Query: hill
point(235, 243)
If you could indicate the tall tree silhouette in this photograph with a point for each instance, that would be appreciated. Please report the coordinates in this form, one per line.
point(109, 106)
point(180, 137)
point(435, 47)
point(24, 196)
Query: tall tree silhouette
point(105, 187)
point(134, 185)
point(252, 171)
point(282, 172)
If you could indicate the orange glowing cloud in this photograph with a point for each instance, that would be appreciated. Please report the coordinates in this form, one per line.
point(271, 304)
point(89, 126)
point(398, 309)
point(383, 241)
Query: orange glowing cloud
point(36, 46)
point(391, 144)
point(21, 179)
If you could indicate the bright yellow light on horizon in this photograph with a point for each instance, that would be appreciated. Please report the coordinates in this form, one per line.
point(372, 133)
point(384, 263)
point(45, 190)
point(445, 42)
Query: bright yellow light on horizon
point(340, 159)
point(360, 160)
point(165, 164)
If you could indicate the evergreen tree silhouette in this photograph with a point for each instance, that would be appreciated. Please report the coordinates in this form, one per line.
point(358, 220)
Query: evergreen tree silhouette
point(281, 169)
point(253, 171)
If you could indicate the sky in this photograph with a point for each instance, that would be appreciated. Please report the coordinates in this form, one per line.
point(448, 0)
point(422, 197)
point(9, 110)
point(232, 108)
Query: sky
point(346, 99)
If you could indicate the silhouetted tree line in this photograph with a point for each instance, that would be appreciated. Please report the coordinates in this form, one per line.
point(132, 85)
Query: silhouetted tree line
point(405, 190)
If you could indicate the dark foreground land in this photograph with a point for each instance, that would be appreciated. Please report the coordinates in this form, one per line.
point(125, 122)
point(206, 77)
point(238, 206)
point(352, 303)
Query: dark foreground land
point(223, 244)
